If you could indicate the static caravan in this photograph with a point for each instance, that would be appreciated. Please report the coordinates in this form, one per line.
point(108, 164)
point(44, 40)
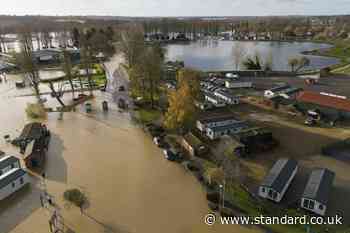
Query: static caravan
point(214, 100)
point(226, 97)
point(317, 190)
point(215, 120)
point(7, 163)
point(278, 180)
point(216, 132)
point(232, 84)
point(12, 181)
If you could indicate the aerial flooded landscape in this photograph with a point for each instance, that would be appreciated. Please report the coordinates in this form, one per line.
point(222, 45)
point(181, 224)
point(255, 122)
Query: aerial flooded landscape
point(154, 117)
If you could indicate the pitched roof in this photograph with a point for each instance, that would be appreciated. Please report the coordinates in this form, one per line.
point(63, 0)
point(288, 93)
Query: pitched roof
point(7, 160)
point(280, 88)
point(238, 124)
point(11, 176)
point(319, 185)
point(217, 118)
point(279, 174)
point(324, 100)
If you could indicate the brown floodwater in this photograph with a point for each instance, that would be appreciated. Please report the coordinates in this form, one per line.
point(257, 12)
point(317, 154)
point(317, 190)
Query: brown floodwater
point(131, 188)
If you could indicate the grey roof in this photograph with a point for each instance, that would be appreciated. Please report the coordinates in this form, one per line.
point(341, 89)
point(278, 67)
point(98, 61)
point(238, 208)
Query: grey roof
point(11, 176)
point(319, 185)
point(280, 88)
point(7, 160)
point(238, 124)
point(279, 174)
point(217, 118)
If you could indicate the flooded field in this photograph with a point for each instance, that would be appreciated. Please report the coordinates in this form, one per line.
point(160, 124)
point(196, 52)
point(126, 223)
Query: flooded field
point(130, 186)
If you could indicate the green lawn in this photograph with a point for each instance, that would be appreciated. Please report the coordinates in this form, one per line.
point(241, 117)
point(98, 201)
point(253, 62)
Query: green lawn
point(148, 115)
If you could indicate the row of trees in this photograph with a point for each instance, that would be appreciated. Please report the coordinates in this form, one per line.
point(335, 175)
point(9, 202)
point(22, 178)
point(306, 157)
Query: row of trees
point(144, 64)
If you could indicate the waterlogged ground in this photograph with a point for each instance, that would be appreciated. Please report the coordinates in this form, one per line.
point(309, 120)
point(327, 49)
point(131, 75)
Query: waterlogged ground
point(130, 186)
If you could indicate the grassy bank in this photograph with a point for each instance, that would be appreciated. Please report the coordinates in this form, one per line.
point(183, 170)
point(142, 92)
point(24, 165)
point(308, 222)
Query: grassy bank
point(340, 50)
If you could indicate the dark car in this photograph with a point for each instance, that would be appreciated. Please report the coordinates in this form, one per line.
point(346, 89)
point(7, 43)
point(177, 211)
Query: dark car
point(172, 155)
point(121, 88)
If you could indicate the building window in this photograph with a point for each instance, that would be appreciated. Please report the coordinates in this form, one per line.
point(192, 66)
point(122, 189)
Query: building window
point(312, 205)
point(320, 207)
point(21, 180)
point(263, 190)
point(13, 184)
point(306, 203)
point(12, 166)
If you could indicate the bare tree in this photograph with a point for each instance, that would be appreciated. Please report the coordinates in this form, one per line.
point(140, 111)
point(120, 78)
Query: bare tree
point(238, 53)
point(67, 68)
point(26, 60)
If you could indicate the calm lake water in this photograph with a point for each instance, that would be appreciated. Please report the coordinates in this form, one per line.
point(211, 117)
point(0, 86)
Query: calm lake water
point(217, 55)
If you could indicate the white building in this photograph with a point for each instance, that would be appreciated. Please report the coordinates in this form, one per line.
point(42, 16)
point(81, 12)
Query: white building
point(285, 91)
point(317, 190)
point(214, 100)
point(231, 84)
point(215, 120)
point(226, 97)
point(216, 132)
point(7, 163)
point(12, 181)
point(278, 180)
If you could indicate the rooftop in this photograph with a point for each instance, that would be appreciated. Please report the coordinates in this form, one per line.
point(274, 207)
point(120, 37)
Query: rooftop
point(217, 118)
point(319, 185)
point(280, 88)
point(280, 174)
point(238, 124)
point(324, 100)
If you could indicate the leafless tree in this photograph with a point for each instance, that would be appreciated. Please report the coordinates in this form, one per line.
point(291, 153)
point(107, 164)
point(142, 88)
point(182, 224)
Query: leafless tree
point(238, 53)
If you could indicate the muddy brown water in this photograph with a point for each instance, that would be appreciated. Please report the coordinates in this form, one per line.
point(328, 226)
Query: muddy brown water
point(130, 186)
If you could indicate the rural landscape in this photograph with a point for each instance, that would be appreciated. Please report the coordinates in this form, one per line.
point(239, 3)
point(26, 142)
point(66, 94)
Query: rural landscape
point(128, 124)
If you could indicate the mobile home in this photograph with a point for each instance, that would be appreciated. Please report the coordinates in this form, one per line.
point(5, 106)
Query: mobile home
point(317, 190)
point(278, 179)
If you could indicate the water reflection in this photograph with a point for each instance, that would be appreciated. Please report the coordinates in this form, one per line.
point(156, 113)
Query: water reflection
point(217, 55)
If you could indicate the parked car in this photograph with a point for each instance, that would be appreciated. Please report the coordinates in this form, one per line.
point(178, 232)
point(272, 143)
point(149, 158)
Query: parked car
point(172, 155)
point(310, 121)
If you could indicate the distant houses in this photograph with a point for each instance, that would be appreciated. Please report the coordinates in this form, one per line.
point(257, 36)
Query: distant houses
point(278, 179)
point(317, 190)
point(12, 176)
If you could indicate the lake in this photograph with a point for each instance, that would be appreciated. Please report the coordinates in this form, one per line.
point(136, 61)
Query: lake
point(217, 55)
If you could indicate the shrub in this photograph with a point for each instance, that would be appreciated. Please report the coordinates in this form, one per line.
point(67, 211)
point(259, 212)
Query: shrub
point(75, 196)
point(35, 111)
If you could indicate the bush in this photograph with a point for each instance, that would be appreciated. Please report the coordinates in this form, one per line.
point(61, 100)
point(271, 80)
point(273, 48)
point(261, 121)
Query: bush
point(75, 196)
point(35, 111)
